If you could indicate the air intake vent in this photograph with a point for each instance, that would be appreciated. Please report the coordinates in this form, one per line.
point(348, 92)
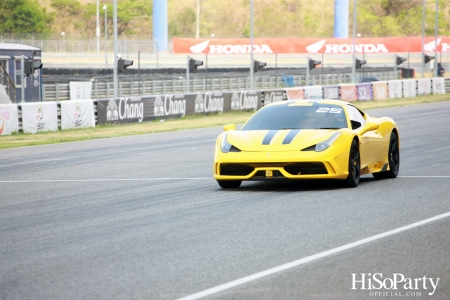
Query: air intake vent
point(306, 169)
point(235, 170)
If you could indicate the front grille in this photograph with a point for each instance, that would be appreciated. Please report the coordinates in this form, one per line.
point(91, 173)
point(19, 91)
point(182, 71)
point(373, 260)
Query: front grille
point(306, 169)
point(235, 170)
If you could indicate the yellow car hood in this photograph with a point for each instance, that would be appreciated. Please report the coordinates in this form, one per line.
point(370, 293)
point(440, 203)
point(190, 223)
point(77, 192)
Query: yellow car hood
point(277, 140)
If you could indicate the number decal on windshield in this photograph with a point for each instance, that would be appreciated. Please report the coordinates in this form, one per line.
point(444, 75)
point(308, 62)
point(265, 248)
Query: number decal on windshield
point(333, 110)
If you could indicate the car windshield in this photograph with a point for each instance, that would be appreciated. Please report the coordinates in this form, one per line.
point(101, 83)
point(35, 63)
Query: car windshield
point(316, 116)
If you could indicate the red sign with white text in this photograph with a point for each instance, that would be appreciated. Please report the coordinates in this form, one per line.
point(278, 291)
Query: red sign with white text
point(309, 45)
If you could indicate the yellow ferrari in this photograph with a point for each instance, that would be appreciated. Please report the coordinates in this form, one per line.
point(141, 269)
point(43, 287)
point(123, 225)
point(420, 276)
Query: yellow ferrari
point(307, 139)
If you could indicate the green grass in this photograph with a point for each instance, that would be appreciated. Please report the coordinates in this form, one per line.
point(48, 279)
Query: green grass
point(188, 122)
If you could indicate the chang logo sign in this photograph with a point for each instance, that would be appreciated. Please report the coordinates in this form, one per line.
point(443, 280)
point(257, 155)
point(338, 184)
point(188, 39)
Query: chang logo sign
point(271, 97)
point(112, 111)
point(212, 102)
point(133, 108)
point(158, 107)
point(244, 101)
point(170, 106)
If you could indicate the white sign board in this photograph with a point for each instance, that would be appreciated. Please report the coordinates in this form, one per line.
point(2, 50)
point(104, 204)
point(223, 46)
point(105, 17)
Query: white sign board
point(80, 90)
point(438, 85)
point(9, 119)
point(77, 114)
point(423, 86)
point(39, 117)
point(395, 88)
point(409, 88)
point(313, 92)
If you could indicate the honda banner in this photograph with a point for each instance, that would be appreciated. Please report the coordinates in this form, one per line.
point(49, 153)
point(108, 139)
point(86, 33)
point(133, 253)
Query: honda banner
point(39, 117)
point(395, 89)
point(309, 45)
point(77, 114)
point(9, 119)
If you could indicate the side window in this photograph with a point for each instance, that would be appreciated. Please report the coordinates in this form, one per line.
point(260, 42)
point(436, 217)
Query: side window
point(356, 117)
point(18, 71)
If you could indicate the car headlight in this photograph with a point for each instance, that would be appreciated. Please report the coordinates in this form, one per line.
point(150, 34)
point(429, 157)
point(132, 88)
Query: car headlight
point(224, 145)
point(327, 143)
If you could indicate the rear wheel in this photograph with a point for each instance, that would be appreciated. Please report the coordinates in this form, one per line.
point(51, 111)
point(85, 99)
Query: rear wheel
point(393, 158)
point(229, 184)
point(354, 165)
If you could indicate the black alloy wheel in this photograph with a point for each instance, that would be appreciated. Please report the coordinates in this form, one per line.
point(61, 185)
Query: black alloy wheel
point(229, 184)
point(354, 165)
point(393, 158)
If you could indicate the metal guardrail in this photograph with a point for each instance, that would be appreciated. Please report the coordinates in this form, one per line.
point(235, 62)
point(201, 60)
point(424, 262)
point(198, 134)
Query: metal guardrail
point(105, 89)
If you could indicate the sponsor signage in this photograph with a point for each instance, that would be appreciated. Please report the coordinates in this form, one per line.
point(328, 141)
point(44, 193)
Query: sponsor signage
point(364, 91)
point(80, 90)
point(211, 102)
point(380, 90)
point(348, 92)
point(39, 117)
point(423, 86)
point(245, 100)
point(438, 85)
point(313, 92)
point(310, 45)
point(9, 119)
point(77, 114)
point(409, 88)
point(395, 88)
point(331, 92)
point(272, 96)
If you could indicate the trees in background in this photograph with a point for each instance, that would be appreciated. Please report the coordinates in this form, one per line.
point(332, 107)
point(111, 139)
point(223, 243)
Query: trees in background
point(24, 16)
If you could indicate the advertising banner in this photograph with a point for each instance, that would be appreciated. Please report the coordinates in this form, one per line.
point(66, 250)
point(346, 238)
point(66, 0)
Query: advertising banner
point(423, 86)
point(438, 85)
point(246, 100)
point(9, 119)
point(39, 117)
point(313, 92)
point(380, 90)
point(409, 88)
point(395, 88)
point(210, 102)
point(364, 91)
point(80, 90)
point(348, 92)
point(295, 94)
point(331, 92)
point(309, 45)
point(77, 114)
point(272, 96)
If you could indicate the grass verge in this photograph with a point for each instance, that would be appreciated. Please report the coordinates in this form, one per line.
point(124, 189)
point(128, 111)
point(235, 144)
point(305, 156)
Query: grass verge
point(188, 122)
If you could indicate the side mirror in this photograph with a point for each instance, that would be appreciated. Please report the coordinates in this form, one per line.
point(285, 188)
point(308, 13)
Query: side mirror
point(369, 126)
point(229, 127)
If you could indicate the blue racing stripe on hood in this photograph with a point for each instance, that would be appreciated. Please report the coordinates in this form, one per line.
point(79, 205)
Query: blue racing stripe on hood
point(290, 136)
point(269, 136)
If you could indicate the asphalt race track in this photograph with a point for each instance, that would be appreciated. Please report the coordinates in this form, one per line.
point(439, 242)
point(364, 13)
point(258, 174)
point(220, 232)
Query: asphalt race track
point(141, 218)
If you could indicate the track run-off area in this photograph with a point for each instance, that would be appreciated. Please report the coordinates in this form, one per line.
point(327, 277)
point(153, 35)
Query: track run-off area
point(142, 218)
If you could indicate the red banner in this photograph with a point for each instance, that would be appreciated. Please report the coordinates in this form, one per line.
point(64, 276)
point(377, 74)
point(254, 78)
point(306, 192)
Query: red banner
point(309, 45)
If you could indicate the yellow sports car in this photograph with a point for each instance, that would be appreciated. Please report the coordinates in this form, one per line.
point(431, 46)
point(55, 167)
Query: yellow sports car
point(307, 139)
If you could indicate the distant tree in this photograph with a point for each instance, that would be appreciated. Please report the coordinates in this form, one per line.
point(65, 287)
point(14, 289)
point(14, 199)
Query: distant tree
point(23, 16)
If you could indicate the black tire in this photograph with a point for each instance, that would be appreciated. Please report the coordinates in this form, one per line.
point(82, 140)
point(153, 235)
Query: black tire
point(354, 165)
point(229, 184)
point(393, 158)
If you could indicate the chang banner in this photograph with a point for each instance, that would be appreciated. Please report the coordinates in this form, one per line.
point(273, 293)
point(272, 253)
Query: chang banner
point(395, 88)
point(245, 100)
point(423, 86)
point(211, 102)
point(9, 119)
point(271, 96)
point(122, 110)
point(77, 114)
point(313, 92)
point(438, 85)
point(364, 91)
point(380, 90)
point(80, 90)
point(409, 88)
point(39, 117)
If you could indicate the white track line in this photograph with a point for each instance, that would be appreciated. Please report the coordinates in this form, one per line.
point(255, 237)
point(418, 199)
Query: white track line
point(431, 176)
point(302, 261)
point(100, 180)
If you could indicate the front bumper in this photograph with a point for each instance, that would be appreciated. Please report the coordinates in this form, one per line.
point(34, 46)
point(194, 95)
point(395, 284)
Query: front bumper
point(329, 164)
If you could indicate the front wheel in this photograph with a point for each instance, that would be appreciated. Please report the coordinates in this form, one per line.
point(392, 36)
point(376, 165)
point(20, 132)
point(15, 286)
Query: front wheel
point(354, 165)
point(393, 158)
point(229, 184)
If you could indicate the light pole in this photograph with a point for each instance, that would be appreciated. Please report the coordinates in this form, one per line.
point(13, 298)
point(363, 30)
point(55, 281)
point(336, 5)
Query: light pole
point(435, 42)
point(116, 81)
point(105, 8)
point(354, 43)
point(423, 38)
point(252, 85)
point(63, 36)
point(97, 30)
